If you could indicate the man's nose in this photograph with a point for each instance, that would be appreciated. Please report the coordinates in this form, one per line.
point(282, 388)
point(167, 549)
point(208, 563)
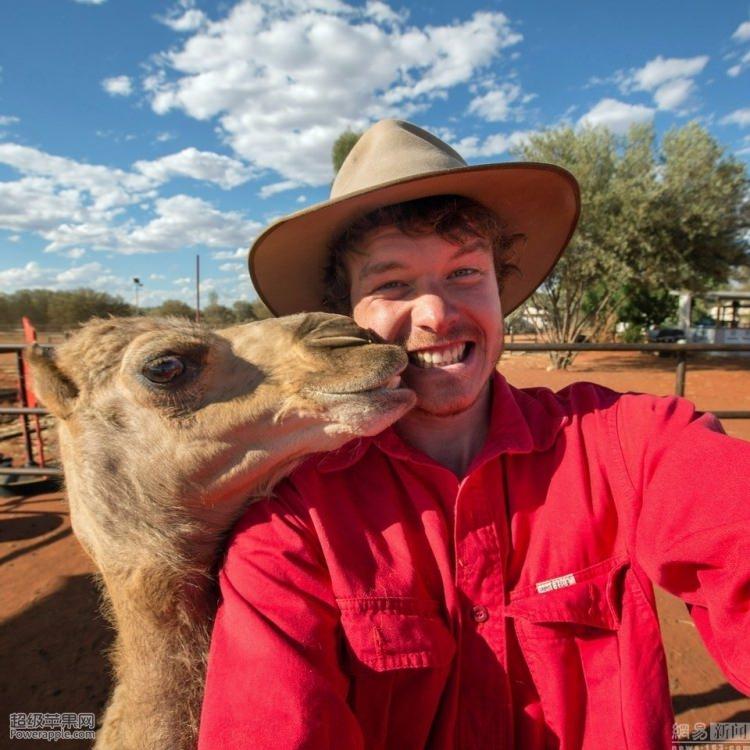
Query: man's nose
point(433, 312)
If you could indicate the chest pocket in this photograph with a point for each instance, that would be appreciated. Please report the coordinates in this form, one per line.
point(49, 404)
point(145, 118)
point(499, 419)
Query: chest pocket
point(569, 631)
point(388, 633)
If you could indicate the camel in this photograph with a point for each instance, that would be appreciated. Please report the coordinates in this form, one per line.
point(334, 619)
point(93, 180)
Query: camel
point(167, 431)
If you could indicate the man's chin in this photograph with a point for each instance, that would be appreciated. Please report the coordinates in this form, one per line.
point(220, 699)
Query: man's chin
point(446, 406)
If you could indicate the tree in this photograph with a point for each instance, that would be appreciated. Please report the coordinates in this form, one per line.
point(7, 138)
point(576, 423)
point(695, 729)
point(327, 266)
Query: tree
point(61, 309)
point(217, 316)
point(249, 311)
point(173, 307)
point(651, 219)
point(341, 148)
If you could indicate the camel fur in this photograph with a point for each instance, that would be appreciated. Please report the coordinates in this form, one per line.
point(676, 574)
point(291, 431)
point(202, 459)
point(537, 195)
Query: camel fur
point(167, 431)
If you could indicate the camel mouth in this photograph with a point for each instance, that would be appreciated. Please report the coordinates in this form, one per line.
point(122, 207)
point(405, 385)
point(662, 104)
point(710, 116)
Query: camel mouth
point(388, 382)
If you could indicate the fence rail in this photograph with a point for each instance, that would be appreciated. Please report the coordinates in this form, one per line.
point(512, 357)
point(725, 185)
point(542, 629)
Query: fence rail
point(682, 351)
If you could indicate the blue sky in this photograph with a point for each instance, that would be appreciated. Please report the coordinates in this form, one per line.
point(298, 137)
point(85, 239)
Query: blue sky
point(135, 134)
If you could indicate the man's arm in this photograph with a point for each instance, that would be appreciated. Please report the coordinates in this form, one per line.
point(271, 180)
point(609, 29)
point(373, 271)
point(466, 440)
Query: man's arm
point(274, 679)
point(693, 530)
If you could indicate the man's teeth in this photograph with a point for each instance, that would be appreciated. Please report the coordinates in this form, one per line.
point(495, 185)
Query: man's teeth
point(449, 356)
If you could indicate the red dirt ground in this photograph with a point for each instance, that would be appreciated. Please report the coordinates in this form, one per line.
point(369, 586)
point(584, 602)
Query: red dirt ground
point(53, 640)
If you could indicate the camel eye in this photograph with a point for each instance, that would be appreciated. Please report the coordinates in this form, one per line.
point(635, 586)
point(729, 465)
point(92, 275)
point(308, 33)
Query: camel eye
point(164, 369)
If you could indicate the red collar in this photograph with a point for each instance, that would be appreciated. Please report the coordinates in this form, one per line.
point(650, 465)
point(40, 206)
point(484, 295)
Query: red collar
point(521, 421)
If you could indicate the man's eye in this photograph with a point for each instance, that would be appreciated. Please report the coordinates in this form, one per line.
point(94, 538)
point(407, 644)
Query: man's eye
point(389, 285)
point(465, 272)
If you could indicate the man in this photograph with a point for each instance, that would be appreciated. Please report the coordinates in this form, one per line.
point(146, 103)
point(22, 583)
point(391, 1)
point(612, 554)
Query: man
point(479, 575)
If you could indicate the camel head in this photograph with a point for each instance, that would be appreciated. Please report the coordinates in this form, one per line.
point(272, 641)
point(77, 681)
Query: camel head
point(167, 427)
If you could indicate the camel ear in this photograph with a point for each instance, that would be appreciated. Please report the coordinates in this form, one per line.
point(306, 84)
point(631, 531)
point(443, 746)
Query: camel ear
point(53, 387)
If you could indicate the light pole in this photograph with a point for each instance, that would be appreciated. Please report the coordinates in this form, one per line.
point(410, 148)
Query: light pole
point(137, 284)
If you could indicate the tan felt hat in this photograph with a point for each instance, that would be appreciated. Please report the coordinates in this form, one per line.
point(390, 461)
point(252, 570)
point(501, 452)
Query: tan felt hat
point(393, 162)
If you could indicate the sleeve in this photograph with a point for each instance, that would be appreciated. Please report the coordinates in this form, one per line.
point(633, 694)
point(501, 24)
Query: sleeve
point(273, 677)
point(692, 534)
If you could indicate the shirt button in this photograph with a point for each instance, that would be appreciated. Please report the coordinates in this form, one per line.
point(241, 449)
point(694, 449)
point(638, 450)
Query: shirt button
point(479, 613)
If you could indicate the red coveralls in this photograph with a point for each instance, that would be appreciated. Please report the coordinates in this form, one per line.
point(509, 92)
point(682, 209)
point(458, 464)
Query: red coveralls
point(378, 601)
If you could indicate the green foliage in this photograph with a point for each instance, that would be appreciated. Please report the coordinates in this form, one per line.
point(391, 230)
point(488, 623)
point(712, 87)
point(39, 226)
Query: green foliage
point(645, 305)
point(633, 334)
point(250, 311)
point(341, 148)
point(652, 218)
point(217, 316)
point(174, 308)
point(62, 310)
point(59, 309)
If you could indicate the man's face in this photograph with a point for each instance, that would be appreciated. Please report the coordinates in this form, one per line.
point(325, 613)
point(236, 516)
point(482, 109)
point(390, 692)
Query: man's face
point(441, 302)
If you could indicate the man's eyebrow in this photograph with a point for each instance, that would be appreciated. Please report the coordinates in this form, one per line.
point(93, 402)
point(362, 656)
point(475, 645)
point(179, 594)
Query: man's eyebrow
point(472, 246)
point(371, 269)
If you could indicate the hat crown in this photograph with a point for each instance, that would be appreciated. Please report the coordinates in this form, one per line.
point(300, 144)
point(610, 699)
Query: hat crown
point(392, 150)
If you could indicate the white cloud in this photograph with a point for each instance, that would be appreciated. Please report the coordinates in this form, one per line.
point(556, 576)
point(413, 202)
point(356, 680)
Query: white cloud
point(200, 165)
point(91, 2)
point(118, 86)
point(240, 252)
point(495, 105)
point(107, 187)
point(74, 252)
point(670, 80)
point(272, 74)
point(278, 187)
point(184, 221)
point(615, 115)
point(661, 70)
point(184, 17)
point(6, 120)
point(383, 13)
point(672, 94)
point(71, 204)
point(165, 136)
point(301, 199)
point(739, 117)
point(33, 275)
point(735, 70)
point(233, 268)
point(742, 32)
point(472, 147)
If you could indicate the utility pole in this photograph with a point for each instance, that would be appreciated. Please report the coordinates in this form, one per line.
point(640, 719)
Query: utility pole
point(137, 284)
point(197, 288)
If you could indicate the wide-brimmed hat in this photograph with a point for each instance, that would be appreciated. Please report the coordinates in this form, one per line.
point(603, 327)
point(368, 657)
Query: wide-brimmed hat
point(393, 162)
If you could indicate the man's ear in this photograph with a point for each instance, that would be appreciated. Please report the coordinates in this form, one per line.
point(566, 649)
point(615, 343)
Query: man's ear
point(53, 387)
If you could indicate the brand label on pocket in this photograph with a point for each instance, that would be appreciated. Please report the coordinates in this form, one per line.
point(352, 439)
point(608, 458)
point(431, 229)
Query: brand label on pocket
point(555, 583)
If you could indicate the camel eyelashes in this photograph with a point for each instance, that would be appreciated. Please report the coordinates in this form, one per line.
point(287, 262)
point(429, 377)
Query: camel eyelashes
point(163, 370)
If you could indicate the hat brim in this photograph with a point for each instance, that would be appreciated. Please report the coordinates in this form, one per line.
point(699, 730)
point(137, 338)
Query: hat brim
point(540, 201)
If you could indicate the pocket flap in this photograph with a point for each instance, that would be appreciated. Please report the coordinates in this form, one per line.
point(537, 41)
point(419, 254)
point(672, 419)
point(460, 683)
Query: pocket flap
point(386, 633)
point(586, 597)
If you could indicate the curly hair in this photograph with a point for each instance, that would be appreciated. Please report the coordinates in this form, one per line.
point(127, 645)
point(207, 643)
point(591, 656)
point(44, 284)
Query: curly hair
point(452, 217)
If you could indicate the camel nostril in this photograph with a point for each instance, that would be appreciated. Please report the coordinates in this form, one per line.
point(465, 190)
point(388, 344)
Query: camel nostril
point(337, 332)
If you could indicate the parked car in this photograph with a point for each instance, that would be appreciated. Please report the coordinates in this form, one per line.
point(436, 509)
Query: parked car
point(665, 335)
point(659, 335)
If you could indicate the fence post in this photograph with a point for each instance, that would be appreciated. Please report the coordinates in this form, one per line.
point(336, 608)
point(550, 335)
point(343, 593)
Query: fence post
point(24, 402)
point(681, 367)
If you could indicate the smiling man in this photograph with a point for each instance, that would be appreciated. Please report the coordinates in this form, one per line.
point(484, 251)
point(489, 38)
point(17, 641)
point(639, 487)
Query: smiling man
point(480, 574)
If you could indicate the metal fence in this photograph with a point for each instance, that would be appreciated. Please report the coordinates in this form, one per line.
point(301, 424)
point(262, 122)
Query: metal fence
point(34, 467)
